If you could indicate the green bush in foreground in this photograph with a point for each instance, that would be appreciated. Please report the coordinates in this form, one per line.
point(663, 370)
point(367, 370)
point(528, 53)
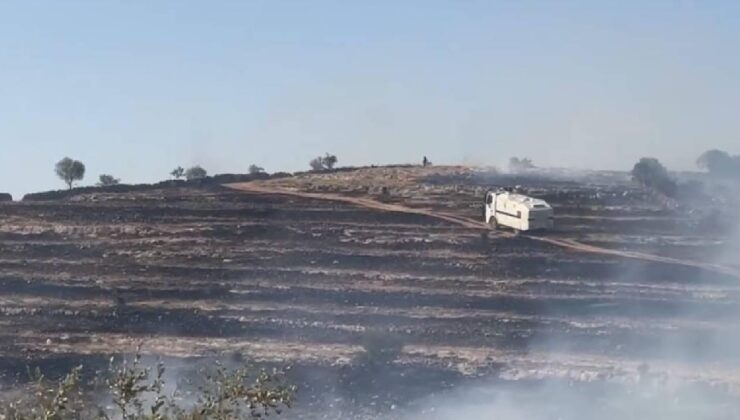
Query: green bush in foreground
point(134, 392)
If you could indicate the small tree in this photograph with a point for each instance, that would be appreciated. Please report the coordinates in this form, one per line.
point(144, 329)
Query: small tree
point(320, 163)
point(329, 161)
point(196, 172)
point(108, 180)
point(516, 164)
point(70, 170)
point(178, 172)
point(317, 164)
point(719, 162)
point(254, 169)
point(650, 173)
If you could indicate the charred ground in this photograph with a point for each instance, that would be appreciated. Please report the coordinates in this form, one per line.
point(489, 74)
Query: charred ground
point(201, 272)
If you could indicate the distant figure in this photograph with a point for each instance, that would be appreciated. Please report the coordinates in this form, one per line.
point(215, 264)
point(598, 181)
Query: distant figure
point(425, 162)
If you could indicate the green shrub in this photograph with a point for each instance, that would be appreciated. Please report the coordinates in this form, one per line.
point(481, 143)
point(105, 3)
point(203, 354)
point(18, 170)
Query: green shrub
point(137, 393)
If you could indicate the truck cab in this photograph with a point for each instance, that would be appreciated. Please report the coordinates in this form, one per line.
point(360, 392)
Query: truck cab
point(517, 211)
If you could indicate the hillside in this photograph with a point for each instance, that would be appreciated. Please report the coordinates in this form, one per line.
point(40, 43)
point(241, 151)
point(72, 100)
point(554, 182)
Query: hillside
point(304, 270)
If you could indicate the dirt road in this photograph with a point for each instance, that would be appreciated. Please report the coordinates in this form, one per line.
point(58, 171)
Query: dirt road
point(475, 224)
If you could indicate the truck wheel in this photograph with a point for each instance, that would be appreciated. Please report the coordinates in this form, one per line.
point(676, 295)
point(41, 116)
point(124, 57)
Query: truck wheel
point(493, 223)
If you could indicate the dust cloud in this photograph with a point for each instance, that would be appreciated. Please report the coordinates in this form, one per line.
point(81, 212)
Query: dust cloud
point(665, 381)
point(648, 398)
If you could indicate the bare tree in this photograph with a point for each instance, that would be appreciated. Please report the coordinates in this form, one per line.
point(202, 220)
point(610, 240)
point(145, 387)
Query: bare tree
point(196, 172)
point(70, 170)
point(107, 180)
point(254, 169)
point(178, 172)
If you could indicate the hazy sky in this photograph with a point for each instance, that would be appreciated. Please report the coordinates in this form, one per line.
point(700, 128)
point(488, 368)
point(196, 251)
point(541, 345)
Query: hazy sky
point(135, 88)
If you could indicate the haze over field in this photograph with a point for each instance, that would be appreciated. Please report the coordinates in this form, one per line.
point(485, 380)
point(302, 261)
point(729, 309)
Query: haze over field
point(387, 294)
point(137, 88)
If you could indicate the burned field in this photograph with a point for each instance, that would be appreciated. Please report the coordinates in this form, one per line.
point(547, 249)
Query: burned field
point(194, 274)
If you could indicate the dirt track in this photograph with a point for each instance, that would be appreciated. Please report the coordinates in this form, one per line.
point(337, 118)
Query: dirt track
point(262, 188)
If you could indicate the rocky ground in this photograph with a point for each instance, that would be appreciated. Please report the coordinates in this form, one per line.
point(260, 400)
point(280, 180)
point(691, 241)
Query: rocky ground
point(197, 273)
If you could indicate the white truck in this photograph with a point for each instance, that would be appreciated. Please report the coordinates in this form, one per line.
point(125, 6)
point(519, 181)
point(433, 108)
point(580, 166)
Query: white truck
point(517, 211)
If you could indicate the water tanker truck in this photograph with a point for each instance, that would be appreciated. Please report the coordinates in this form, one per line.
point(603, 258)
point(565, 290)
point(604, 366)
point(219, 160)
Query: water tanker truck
point(517, 211)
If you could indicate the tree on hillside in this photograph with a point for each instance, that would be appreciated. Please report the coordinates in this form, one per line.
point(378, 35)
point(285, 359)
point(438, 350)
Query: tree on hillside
point(326, 162)
point(329, 161)
point(516, 164)
point(650, 173)
point(196, 172)
point(107, 180)
point(254, 169)
point(316, 164)
point(178, 172)
point(70, 170)
point(719, 162)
